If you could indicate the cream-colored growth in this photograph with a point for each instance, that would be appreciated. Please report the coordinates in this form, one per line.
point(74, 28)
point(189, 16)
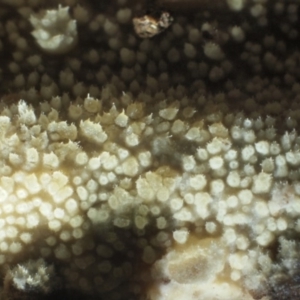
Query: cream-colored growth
point(197, 263)
point(192, 271)
point(208, 291)
point(55, 32)
point(163, 156)
point(110, 168)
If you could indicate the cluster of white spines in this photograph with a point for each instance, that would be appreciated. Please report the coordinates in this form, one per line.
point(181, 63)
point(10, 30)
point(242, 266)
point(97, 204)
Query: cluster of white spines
point(33, 276)
point(54, 30)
